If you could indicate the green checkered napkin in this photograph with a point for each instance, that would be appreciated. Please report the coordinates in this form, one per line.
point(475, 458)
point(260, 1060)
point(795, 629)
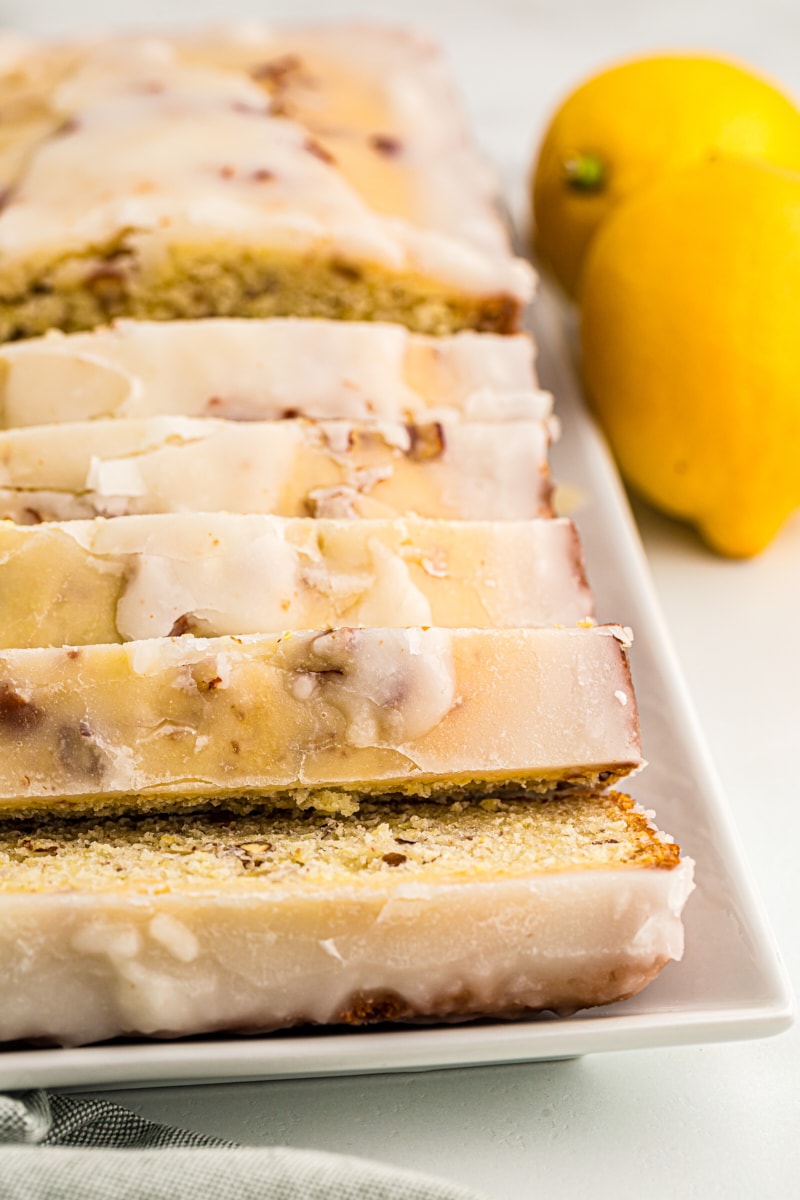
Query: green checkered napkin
point(68, 1148)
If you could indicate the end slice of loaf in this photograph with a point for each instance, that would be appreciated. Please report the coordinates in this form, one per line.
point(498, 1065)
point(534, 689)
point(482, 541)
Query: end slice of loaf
point(403, 912)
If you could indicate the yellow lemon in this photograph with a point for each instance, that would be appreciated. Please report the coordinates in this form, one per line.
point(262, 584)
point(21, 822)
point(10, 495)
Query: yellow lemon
point(628, 127)
point(690, 333)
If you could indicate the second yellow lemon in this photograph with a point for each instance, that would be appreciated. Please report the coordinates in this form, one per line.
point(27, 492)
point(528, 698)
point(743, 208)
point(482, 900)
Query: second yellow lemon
point(630, 126)
point(690, 330)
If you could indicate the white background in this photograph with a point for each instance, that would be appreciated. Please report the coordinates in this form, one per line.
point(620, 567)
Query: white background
point(714, 1121)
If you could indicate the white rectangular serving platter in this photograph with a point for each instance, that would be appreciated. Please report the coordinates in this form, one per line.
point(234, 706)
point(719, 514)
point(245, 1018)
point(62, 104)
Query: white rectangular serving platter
point(730, 983)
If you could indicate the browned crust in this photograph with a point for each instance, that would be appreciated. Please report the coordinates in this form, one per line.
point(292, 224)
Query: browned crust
point(579, 781)
point(498, 314)
point(621, 982)
point(657, 852)
point(375, 1008)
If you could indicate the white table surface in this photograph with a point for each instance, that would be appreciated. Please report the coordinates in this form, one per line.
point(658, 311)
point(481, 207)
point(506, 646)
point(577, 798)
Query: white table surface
point(710, 1121)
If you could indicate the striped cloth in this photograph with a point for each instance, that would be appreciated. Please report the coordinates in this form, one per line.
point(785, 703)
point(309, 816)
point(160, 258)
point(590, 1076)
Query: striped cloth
point(56, 1147)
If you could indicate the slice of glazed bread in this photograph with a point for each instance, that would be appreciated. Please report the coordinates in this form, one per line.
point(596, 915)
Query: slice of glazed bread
point(251, 370)
point(322, 718)
point(292, 468)
point(404, 912)
point(84, 582)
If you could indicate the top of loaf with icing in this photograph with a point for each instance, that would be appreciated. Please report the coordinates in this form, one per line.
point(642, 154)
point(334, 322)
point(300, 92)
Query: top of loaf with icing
point(344, 139)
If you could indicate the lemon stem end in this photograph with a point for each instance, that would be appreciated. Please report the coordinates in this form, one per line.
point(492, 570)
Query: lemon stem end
point(585, 173)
